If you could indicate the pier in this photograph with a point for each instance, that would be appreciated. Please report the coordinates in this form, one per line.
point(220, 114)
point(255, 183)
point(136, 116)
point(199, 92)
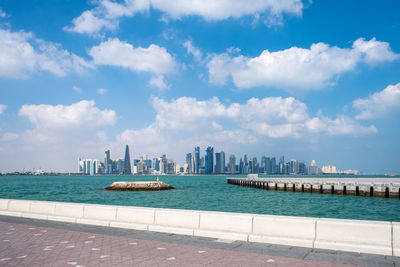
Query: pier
point(369, 187)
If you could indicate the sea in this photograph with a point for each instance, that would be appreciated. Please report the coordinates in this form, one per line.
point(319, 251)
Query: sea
point(208, 193)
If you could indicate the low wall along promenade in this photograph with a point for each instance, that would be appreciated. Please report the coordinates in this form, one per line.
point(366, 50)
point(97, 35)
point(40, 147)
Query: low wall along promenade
point(375, 237)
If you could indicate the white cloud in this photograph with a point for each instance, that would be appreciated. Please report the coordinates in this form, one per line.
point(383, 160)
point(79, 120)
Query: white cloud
point(379, 104)
point(159, 83)
point(297, 68)
point(113, 52)
point(2, 108)
point(2, 14)
point(76, 89)
point(342, 125)
point(102, 91)
point(60, 117)
point(196, 52)
point(7, 137)
point(87, 22)
point(179, 124)
point(106, 15)
point(185, 122)
point(22, 54)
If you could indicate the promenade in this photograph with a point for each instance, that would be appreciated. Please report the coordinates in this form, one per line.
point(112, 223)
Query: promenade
point(31, 242)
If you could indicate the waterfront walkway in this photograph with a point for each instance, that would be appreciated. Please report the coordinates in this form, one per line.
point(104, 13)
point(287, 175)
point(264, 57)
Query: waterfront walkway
point(29, 242)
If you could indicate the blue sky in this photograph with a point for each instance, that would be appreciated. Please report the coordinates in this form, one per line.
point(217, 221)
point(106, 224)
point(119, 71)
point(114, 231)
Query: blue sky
point(307, 80)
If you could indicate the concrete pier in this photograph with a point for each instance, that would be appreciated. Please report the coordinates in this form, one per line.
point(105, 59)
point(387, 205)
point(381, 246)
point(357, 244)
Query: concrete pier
point(369, 187)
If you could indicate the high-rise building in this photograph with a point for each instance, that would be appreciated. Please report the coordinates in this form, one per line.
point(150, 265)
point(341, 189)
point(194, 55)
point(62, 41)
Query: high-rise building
point(294, 167)
point(127, 162)
point(220, 162)
point(196, 154)
point(189, 162)
point(241, 165)
point(119, 166)
point(273, 165)
point(107, 162)
point(171, 168)
point(156, 164)
point(329, 169)
point(232, 164)
point(302, 168)
point(209, 160)
point(164, 164)
point(88, 166)
point(313, 169)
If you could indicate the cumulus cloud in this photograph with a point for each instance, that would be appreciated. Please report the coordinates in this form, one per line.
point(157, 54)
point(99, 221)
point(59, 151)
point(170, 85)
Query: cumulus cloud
point(7, 137)
point(2, 14)
point(107, 13)
point(102, 91)
point(2, 108)
point(159, 83)
point(113, 52)
point(76, 89)
point(181, 123)
point(82, 114)
point(22, 54)
point(297, 68)
point(379, 104)
point(194, 51)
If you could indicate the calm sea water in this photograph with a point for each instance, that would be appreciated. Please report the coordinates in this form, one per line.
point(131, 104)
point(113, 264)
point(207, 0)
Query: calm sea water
point(210, 193)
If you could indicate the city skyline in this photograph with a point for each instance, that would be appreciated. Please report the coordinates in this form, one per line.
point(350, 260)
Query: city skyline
point(209, 163)
point(305, 79)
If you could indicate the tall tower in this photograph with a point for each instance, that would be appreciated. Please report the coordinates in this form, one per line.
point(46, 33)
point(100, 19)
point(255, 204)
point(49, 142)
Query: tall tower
point(232, 164)
point(107, 162)
point(209, 160)
point(127, 161)
point(196, 155)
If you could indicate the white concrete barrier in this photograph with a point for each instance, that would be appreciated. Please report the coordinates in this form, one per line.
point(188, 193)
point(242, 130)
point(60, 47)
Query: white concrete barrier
point(69, 210)
point(227, 222)
point(4, 204)
point(135, 215)
point(357, 236)
point(293, 231)
point(177, 218)
point(100, 212)
point(348, 235)
point(19, 205)
point(396, 239)
point(43, 207)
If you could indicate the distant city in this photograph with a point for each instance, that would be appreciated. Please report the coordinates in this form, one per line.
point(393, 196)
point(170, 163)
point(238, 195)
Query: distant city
point(196, 163)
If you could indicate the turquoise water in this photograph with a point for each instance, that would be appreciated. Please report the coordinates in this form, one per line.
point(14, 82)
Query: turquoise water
point(199, 193)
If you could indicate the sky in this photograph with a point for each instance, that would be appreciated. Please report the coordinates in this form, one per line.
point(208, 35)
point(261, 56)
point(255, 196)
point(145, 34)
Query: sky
point(303, 79)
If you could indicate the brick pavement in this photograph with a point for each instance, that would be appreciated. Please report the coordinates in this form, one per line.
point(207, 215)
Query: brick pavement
point(26, 242)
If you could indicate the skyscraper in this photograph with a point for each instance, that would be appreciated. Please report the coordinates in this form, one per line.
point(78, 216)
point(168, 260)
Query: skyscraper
point(209, 160)
point(107, 162)
point(189, 162)
point(88, 166)
point(220, 162)
point(196, 154)
point(127, 162)
point(232, 164)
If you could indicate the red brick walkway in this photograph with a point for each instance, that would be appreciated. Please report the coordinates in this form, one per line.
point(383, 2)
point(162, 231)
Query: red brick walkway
point(25, 245)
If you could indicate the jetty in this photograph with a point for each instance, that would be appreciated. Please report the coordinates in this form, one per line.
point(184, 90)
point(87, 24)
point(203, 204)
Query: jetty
point(386, 187)
point(139, 186)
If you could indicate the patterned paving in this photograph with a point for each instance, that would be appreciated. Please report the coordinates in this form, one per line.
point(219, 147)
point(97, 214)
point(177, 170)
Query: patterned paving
point(27, 245)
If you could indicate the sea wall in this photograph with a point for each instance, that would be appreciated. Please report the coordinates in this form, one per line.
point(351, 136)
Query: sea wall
point(375, 237)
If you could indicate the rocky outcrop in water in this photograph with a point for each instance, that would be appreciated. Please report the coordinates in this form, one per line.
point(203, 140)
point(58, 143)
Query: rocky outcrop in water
point(139, 186)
